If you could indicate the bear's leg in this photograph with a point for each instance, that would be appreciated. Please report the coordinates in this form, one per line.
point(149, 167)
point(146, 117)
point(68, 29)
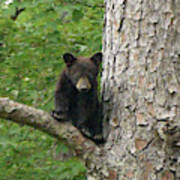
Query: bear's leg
point(90, 117)
point(95, 123)
point(61, 106)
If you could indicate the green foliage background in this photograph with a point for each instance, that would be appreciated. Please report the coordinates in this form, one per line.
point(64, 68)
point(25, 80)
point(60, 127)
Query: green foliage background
point(31, 48)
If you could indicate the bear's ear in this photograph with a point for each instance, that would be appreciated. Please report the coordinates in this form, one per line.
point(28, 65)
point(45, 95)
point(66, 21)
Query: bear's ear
point(69, 59)
point(97, 58)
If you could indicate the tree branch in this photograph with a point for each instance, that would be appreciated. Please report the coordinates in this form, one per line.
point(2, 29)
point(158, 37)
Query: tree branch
point(39, 119)
point(26, 115)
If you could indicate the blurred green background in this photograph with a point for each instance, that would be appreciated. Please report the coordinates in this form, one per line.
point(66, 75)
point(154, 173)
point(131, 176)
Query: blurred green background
point(31, 48)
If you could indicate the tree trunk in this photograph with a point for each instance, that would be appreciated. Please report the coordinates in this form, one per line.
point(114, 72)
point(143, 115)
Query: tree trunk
point(141, 89)
point(140, 93)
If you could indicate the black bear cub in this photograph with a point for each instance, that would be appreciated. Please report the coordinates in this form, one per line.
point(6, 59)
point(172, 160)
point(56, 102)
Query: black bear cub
point(76, 98)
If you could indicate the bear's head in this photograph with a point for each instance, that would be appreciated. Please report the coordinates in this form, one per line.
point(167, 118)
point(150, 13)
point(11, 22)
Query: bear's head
point(82, 71)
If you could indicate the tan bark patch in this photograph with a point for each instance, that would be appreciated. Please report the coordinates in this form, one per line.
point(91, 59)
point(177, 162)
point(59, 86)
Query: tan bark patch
point(123, 37)
point(130, 174)
point(151, 109)
point(140, 144)
point(136, 56)
point(140, 119)
point(112, 175)
point(167, 175)
point(148, 167)
point(141, 81)
point(154, 64)
point(141, 157)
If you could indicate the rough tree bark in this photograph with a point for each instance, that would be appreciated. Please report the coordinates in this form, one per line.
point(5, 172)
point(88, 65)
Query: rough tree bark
point(141, 89)
point(140, 92)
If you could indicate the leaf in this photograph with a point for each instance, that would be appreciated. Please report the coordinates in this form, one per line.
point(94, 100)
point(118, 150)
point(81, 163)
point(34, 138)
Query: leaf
point(77, 15)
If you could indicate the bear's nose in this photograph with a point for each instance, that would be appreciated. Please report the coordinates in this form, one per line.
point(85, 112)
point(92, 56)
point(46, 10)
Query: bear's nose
point(84, 89)
point(83, 84)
